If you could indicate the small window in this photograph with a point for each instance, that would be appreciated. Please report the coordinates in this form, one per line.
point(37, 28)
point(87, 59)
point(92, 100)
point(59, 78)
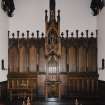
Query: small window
point(52, 65)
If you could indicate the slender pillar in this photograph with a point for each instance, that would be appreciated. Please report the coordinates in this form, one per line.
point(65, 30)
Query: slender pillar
point(27, 55)
point(59, 91)
point(77, 59)
point(46, 92)
point(18, 32)
point(37, 60)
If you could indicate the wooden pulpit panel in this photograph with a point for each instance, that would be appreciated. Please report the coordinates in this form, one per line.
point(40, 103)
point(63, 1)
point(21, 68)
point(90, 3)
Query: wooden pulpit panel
point(22, 60)
point(72, 59)
point(82, 59)
point(92, 60)
point(42, 60)
point(32, 59)
point(62, 60)
point(13, 60)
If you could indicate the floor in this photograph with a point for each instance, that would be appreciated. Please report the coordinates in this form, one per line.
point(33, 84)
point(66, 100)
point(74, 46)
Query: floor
point(55, 101)
point(74, 101)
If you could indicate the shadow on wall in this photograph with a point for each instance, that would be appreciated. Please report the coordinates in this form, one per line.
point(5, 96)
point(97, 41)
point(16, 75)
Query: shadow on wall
point(3, 93)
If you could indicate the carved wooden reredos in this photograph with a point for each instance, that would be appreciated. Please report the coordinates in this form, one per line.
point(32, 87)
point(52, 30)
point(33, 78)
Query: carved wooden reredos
point(67, 61)
point(81, 51)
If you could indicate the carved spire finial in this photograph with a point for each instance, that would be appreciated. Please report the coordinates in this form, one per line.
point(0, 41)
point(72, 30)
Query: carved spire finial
point(52, 10)
point(52, 4)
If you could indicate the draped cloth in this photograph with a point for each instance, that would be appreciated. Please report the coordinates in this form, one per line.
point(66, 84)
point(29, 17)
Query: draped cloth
point(8, 7)
point(96, 6)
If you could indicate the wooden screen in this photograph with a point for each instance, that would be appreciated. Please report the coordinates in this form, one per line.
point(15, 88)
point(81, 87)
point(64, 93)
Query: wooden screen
point(82, 59)
point(83, 56)
point(76, 67)
point(22, 57)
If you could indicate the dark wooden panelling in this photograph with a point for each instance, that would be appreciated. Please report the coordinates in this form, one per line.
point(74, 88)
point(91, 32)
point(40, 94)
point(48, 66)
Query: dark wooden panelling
point(78, 56)
point(72, 59)
point(22, 84)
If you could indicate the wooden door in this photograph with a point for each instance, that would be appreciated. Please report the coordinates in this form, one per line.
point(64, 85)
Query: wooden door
point(53, 90)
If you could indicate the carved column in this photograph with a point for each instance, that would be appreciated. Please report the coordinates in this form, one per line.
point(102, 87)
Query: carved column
point(18, 49)
point(77, 59)
point(67, 49)
point(27, 53)
point(59, 87)
point(37, 54)
point(46, 90)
